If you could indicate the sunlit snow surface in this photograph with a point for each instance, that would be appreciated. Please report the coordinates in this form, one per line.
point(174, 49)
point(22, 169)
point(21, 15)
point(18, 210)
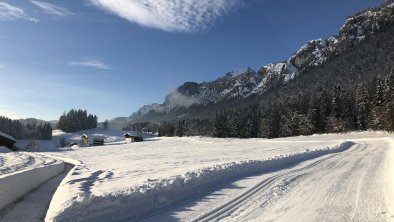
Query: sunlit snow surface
point(113, 179)
point(124, 181)
point(13, 162)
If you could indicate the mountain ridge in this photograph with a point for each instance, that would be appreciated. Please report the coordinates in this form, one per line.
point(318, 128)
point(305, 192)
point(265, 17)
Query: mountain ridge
point(251, 83)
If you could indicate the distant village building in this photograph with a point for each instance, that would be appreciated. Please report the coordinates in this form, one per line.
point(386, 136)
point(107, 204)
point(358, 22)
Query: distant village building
point(132, 138)
point(145, 130)
point(84, 140)
point(98, 141)
point(7, 140)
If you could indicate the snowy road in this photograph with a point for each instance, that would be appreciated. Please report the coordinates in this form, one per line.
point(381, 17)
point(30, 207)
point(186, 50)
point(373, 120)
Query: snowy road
point(33, 206)
point(354, 185)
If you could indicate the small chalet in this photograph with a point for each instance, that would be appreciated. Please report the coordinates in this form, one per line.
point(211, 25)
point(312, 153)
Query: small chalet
point(84, 140)
point(133, 138)
point(97, 140)
point(7, 140)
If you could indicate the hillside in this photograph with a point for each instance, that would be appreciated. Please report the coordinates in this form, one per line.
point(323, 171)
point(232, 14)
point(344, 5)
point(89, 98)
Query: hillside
point(362, 49)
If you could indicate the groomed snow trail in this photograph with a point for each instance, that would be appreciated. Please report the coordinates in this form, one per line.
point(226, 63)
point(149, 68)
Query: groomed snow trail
point(34, 205)
point(354, 185)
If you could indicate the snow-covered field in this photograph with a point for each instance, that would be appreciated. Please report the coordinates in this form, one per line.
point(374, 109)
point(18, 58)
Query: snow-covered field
point(332, 177)
point(127, 181)
point(353, 185)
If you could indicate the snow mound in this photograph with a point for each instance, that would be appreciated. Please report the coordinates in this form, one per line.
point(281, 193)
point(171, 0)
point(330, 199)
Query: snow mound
point(19, 180)
point(154, 195)
point(14, 162)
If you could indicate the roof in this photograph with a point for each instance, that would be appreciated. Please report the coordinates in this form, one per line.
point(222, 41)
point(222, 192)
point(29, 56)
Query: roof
point(94, 136)
point(98, 136)
point(7, 136)
point(133, 134)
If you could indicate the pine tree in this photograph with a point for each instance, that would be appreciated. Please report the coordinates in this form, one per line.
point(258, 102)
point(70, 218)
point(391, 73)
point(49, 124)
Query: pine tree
point(338, 107)
point(379, 92)
point(105, 124)
point(377, 99)
point(314, 116)
point(241, 118)
point(363, 109)
point(31, 130)
point(271, 124)
point(220, 125)
point(76, 120)
point(180, 129)
point(294, 124)
point(325, 110)
point(253, 121)
point(389, 106)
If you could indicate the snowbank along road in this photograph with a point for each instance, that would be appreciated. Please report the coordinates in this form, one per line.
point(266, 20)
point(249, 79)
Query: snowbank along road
point(33, 206)
point(21, 172)
point(12, 162)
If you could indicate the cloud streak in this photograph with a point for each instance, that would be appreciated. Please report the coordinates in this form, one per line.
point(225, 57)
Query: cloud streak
point(91, 63)
point(52, 9)
point(176, 99)
point(169, 15)
point(9, 13)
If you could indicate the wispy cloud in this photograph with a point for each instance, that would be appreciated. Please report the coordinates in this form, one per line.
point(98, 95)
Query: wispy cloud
point(9, 12)
point(90, 63)
point(1, 66)
point(169, 15)
point(52, 9)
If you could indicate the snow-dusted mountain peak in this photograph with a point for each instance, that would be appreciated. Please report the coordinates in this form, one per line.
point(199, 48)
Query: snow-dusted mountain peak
point(314, 53)
point(245, 83)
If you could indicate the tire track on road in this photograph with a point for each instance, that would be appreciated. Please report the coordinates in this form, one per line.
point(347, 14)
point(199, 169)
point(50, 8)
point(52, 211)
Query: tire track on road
point(230, 206)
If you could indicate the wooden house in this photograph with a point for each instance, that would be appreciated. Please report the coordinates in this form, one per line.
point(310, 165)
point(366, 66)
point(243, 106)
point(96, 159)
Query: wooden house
point(133, 138)
point(7, 140)
point(84, 140)
point(98, 141)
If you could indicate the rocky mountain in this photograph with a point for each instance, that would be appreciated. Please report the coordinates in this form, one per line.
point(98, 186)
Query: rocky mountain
point(249, 83)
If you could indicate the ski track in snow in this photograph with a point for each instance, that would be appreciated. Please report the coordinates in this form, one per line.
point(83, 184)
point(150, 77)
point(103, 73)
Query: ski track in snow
point(168, 167)
point(346, 186)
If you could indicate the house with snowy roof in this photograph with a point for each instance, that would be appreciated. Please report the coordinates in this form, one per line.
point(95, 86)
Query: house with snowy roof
point(7, 140)
point(132, 137)
point(84, 140)
point(97, 140)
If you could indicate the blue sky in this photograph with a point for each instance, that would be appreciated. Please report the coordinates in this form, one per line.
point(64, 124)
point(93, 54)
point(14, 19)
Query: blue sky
point(113, 56)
